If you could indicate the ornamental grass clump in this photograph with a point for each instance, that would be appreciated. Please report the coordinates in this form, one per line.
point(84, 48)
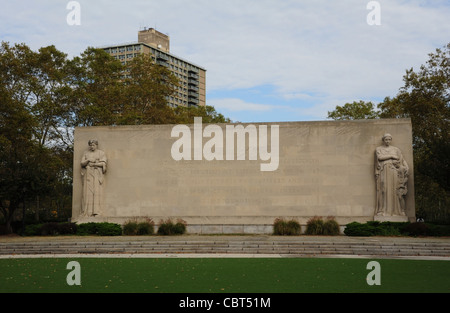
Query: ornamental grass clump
point(130, 228)
point(314, 226)
point(168, 227)
point(282, 227)
point(135, 228)
point(146, 228)
point(331, 227)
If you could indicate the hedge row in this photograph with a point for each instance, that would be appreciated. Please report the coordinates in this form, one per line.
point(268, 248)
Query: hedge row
point(315, 226)
point(132, 228)
point(52, 229)
point(376, 228)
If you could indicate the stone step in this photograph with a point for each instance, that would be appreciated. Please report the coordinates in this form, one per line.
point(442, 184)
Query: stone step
point(224, 246)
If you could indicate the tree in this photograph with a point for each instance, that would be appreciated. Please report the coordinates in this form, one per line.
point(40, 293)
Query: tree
point(38, 80)
point(15, 125)
point(185, 115)
point(425, 98)
point(48, 94)
point(147, 87)
point(44, 95)
point(105, 92)
point(354, 111)
point(32, 93)
point(96, 90)
point(26, 167)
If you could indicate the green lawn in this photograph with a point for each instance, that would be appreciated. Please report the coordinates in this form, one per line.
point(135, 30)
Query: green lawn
point(228, 275)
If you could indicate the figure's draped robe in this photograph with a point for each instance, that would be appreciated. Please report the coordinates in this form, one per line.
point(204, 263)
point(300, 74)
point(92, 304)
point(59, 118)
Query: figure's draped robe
point(92, 178)
point(391, 182)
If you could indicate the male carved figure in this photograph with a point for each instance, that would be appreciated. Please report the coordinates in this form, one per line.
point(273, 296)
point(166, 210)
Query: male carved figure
point(93, 164)
point(391, 174)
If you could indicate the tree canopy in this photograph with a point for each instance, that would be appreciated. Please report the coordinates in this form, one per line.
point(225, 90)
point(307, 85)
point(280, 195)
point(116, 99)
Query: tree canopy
point(354, 111)
point(44, 95)
point(425, 99)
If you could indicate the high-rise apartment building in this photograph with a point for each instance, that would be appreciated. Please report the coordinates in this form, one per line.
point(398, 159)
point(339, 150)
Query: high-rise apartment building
point(192, 78)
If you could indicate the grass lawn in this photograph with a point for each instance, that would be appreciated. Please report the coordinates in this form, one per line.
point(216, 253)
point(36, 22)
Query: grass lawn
point(228, 275)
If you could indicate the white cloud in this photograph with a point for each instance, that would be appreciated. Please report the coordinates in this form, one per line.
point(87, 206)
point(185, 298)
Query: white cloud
point(233, 104)
point(306, 50)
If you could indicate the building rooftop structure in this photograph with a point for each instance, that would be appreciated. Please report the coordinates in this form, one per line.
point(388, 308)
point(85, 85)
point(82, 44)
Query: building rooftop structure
point(192, 78)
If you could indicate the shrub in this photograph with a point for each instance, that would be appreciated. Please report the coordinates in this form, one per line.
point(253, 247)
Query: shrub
point(86, 229)
point(134, 228)
point(109, 229)
point(130, 228)
point(314, 226)
point(50, 229)
point(331, 227)
point(279, 227)
point(438, 230)
point(67, 228)
point(165, 228)
point(389, 229)
point(100, 229)
point(168, 227)
point(33, 230)
point(180, 227)
point(375, 228)
point(293, 227)
point(282, 227)
point(358, 229)
point(146, 228)
point(416, 229)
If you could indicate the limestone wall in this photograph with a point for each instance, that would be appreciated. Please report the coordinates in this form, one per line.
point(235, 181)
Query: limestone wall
point(324, 169)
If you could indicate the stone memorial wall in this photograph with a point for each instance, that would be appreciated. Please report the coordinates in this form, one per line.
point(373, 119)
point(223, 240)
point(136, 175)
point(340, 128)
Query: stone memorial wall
point(238, 178)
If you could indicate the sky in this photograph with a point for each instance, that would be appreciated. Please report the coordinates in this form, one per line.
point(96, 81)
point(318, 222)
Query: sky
point(266, 60)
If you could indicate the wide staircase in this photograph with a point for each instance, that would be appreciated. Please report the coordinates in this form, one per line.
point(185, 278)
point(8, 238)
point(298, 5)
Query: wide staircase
point(223, 245)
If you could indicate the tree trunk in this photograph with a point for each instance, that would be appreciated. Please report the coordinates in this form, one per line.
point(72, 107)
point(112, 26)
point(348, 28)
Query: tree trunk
point(37, 209)
point(9, 213)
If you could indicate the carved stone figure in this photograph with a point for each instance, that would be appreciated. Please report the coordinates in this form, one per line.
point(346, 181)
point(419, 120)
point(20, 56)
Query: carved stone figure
point(93, 164)
point(391, 174)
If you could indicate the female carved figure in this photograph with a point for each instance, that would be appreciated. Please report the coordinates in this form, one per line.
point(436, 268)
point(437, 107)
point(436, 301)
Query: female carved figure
point(93, 166)
point(391, 174)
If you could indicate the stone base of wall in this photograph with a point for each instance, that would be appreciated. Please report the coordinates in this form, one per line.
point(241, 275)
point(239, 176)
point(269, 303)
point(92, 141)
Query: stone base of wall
point(390, 218)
